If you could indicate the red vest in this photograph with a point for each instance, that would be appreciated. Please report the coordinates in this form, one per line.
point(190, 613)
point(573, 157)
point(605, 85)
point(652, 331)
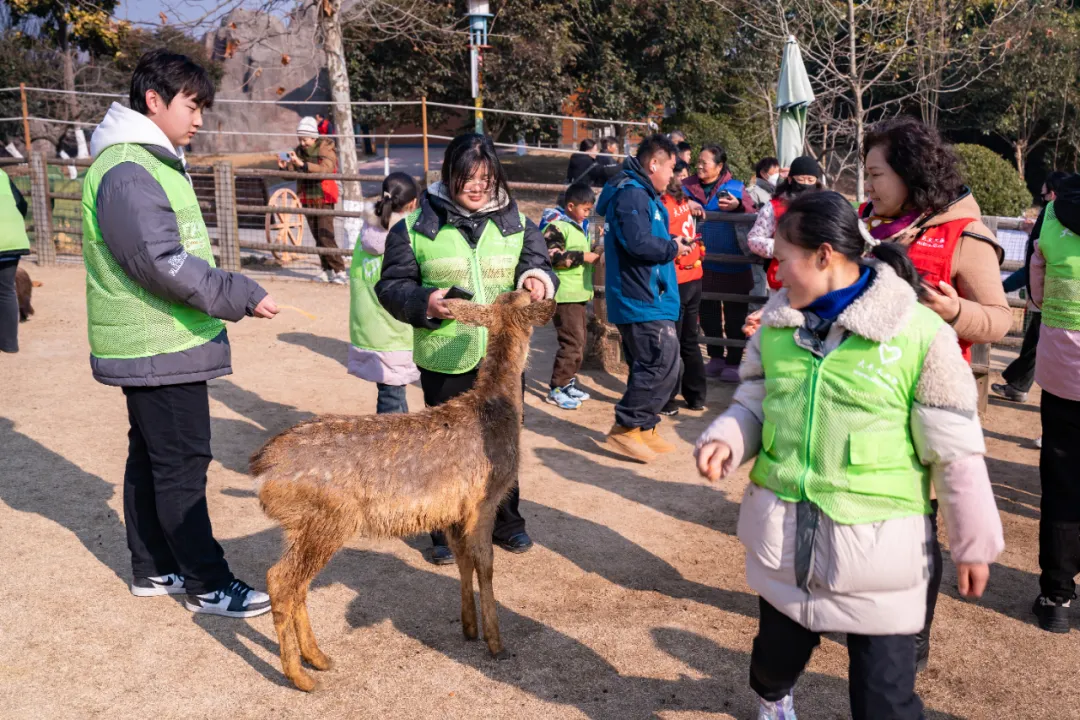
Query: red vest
point(779, 208)
point(681, 224)
point(932, 254)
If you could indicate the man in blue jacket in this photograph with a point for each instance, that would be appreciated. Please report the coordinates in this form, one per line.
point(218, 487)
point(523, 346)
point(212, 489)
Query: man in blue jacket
point(642, 294)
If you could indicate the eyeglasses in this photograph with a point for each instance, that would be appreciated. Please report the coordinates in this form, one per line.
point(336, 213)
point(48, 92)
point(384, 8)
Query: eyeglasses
point(478, 186)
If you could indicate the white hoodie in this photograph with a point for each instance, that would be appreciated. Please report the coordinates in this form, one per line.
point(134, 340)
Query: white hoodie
point(124, 125)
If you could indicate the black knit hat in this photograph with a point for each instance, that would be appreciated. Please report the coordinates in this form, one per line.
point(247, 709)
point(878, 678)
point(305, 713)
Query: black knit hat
point(805, 165)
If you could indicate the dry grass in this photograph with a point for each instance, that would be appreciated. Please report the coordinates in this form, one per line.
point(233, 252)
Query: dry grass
point(633, 604)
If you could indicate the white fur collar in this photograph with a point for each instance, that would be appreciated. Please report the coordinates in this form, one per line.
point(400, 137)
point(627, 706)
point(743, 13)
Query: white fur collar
point(879, 314)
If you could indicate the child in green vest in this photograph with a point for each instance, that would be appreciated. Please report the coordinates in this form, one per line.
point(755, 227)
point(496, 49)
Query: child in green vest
point(854, 398)
point(155, 306)
point(14, 243)
point(381, 349)
point(573, 259)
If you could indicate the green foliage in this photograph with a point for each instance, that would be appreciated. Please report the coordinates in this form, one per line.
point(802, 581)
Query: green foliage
point(740, 139)
point(88, 26)
point(994, 182)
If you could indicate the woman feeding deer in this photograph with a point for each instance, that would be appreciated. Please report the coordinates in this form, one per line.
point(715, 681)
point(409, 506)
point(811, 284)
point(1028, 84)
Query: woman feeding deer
point(467, 235)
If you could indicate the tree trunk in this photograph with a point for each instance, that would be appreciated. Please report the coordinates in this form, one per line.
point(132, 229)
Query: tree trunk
point(330, 24)
point(68, 52)
point(1020, 148)
point(860, 112)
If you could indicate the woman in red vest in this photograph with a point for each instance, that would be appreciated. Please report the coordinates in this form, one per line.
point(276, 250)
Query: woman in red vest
point(688, 271)
point(918, 199)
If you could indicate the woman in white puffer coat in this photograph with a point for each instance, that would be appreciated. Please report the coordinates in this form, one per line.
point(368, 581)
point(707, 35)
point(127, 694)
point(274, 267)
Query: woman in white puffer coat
point(854, 398)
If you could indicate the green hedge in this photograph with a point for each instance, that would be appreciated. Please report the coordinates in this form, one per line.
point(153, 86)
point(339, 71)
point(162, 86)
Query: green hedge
point(997, 186)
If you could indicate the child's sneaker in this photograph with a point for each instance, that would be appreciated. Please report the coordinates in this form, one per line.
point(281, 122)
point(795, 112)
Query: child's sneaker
point(782, 709)
point(1038, 442)
point(572, 390)
point(1053, 614)
point(171, 584)
point(558, 396)
point(238, 600)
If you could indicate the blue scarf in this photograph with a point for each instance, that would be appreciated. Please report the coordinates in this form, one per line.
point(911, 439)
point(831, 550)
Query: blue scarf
point(829, 306)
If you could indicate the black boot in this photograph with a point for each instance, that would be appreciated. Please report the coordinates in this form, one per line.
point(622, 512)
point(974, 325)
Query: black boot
point(922, 650)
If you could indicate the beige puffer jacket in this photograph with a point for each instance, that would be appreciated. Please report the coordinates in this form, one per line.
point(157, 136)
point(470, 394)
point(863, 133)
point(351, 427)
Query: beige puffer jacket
point(869, 579)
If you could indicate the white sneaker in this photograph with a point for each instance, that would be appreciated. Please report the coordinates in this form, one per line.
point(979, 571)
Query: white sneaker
point(1038, 442)
point(782, 709)
point(338, 278)
point(171, 584)
point(238, 600)
point(324, 276)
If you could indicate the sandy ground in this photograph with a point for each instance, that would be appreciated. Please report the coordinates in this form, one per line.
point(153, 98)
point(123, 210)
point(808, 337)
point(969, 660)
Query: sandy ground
point(632, 605)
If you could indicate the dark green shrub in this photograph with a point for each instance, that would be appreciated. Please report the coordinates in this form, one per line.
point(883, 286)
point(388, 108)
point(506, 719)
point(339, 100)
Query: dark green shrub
point(994, 182)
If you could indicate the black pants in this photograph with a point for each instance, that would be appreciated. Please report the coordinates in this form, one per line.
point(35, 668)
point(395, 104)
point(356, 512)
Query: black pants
point(1021, 371)
point(934, 587)
point(692, 378)
point(881, 671)
point(725, 319)
point(168, 525)
point(652, 352)
point(438, 388)
point(1059, 520)
point(9, 307)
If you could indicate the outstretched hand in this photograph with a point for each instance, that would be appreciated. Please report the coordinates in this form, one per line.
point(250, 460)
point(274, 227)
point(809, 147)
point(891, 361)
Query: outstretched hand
point(266, 308)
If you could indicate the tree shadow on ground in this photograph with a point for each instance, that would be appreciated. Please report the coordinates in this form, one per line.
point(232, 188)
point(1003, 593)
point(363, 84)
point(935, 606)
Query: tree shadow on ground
point(235, 440)
point(689, 502)
point(999, 402)
point(337, 350)
point(1016, 487)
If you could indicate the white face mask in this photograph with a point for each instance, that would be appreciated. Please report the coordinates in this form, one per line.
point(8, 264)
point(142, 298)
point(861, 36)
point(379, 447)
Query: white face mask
point(774, 178)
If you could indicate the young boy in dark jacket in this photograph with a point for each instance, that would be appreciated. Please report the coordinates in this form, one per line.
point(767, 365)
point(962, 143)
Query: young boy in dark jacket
point(155, 305)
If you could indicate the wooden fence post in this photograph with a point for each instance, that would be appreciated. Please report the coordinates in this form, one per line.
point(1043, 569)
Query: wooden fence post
point(39, 199)
point(228, 229)
point(25, 118)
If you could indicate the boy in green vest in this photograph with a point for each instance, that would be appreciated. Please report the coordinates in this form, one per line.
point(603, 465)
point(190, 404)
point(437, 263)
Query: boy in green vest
point(155, 304)
point(573, 264)
point(14, 243)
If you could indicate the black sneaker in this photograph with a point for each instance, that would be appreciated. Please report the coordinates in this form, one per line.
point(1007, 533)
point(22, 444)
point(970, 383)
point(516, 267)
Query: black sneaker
point(238, 600)
point(171, 584)
point(1053, 614)
point(441, 555)
point(670, 410)
point(517, 543)
point(1009, 392)
point(696, 408)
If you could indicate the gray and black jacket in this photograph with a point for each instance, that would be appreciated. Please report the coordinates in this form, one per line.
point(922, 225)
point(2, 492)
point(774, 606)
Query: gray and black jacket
point(139, 227)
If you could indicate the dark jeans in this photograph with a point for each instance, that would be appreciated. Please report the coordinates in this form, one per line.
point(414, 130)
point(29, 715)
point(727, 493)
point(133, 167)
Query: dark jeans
point(571, 321)
point(1059, 520)
point(725, 319)
point(9, 307)
point(1021, 371)
point(652, 352)
point(438, 388)
point(881, 670)
point(323, 229)
point(168, 525)
point(692, 377)
point(391, 399)
point(934, 587)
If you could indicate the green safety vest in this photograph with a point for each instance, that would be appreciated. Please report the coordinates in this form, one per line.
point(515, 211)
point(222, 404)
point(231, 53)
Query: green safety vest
point(575, 284)
point(1061, 290)
point(12, 224)
point(124, 320)
point(370, 326)
point(487, 271)
point(837, 429)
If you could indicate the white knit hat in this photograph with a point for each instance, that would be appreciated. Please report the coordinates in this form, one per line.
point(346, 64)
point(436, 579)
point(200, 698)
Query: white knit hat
point(307, 127)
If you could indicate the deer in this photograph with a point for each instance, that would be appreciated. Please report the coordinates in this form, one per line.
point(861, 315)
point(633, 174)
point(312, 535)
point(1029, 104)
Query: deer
point(447, 468)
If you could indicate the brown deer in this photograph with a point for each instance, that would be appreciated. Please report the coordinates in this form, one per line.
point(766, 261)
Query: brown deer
point(444, 468)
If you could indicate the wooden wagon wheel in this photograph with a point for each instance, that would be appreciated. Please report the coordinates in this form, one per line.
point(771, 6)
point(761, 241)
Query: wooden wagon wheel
point(284, 228)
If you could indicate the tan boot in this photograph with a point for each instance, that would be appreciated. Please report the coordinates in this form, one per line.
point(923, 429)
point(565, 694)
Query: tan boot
point(657, 444)
point(628, 441)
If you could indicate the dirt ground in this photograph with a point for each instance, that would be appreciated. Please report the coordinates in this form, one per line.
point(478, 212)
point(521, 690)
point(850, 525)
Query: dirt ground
point(632, 605)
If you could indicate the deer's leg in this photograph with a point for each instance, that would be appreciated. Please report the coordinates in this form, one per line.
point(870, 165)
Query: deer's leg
point(465, 568)
point(479, 543)
point(309, 650)
point(287, 583)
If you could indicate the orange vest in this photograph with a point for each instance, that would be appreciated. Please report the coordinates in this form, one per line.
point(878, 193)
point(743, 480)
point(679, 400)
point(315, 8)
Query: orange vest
point(681, 223)
point(779, 208)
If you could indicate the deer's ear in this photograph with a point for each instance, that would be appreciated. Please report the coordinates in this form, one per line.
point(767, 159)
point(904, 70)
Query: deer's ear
point(471, 313)
point(537, 313)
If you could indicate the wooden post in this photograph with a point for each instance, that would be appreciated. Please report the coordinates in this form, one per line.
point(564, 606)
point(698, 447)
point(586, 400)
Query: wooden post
point(25, 118)
point(423, 117)
point(39, 199)
point(228, 228)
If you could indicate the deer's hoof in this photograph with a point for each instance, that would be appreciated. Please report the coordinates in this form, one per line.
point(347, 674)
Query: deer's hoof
point(500, 655)
point(470, 633)
point(320, 662)
point(303, 681)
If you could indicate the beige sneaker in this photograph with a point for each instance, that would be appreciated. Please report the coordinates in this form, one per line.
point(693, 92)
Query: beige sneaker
point(654, 442)
point(629, 442)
